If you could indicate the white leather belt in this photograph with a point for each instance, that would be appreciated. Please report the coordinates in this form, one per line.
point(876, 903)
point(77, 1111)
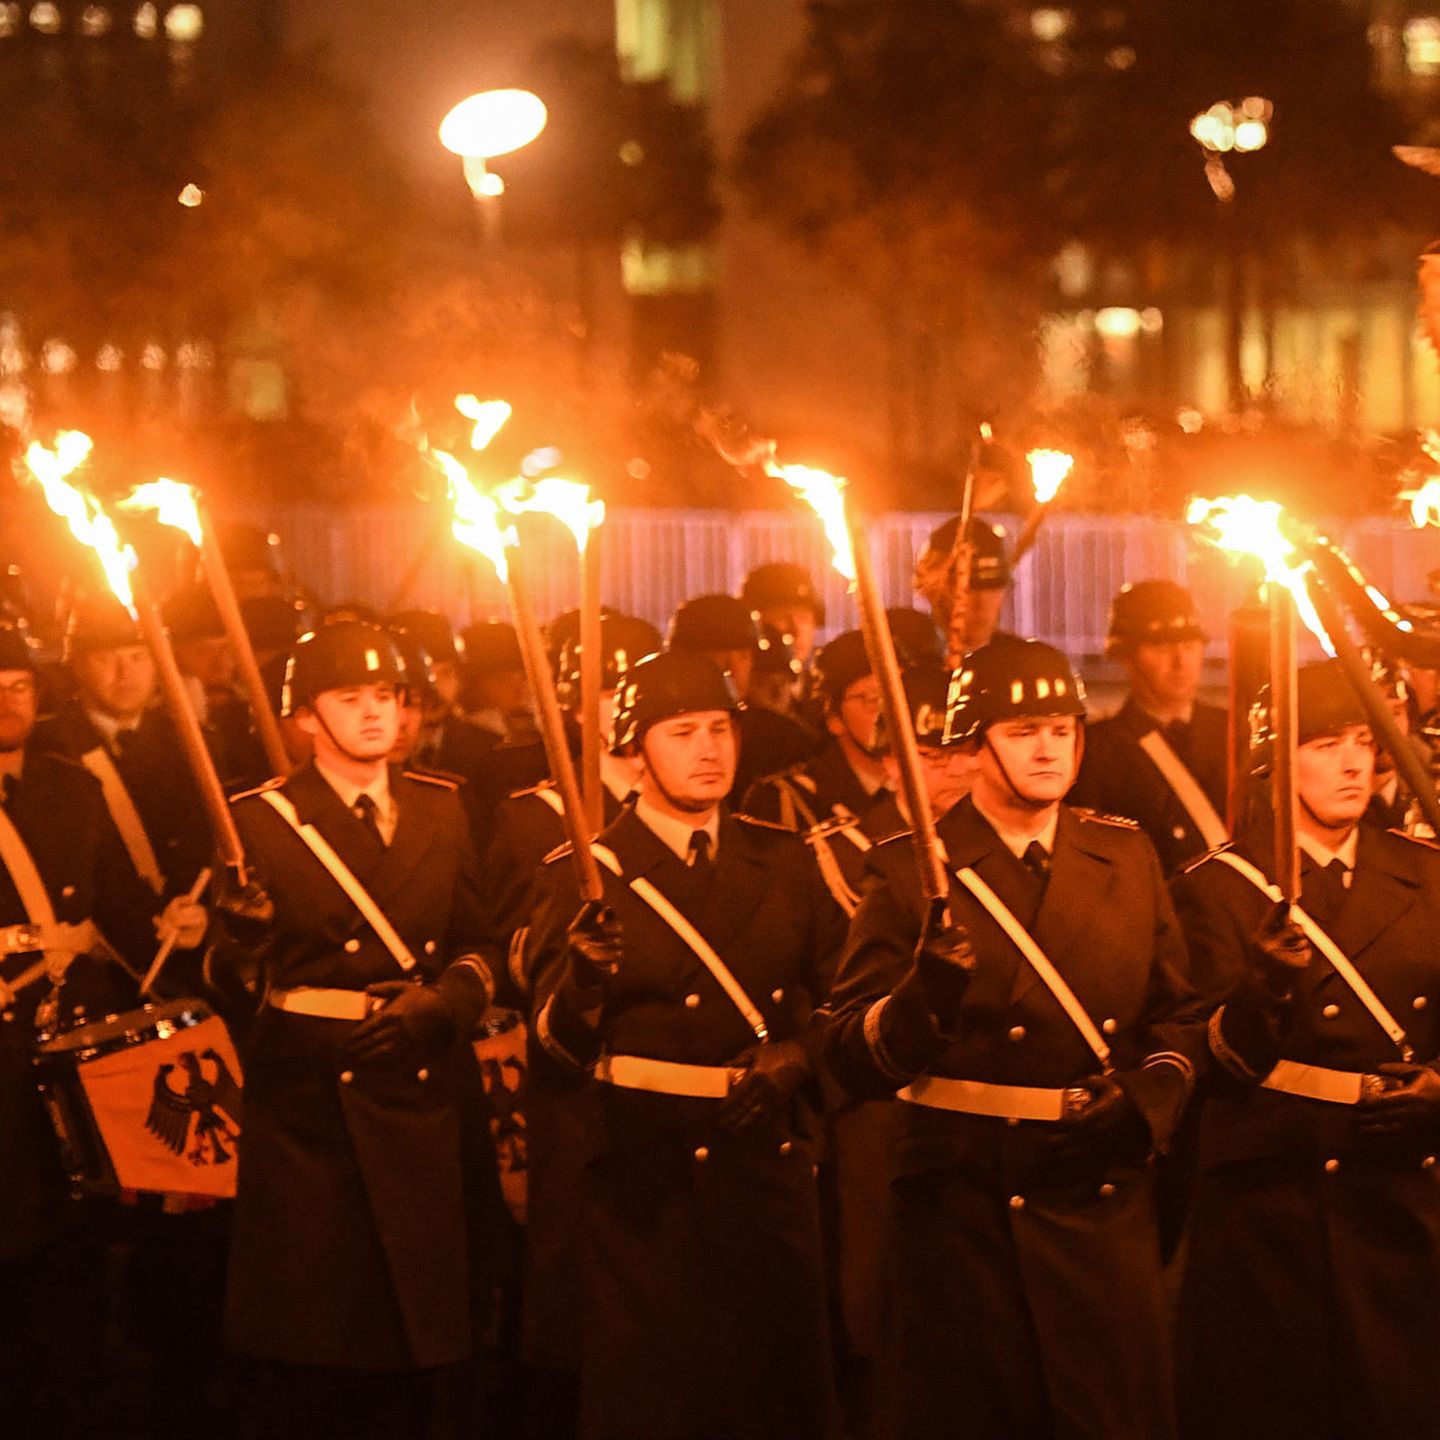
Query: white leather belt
point(979, 1097)
point(665, 1077)
point(1314, 1082)
point(49, 936)
point(325, 1004)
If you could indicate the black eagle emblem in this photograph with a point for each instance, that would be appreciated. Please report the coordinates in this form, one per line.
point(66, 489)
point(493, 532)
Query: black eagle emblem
point(202, 1120)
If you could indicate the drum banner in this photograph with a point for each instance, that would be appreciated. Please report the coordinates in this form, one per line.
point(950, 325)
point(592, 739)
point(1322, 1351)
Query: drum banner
point(169, 1111)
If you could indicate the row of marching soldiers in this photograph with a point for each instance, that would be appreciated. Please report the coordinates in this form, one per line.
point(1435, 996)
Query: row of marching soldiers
point(1104, 1142)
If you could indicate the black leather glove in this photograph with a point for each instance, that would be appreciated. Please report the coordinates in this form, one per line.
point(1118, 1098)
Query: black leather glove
point(594, 946)
point(1278, 953)
point(940, 974)
point(245, 911)
point(773, 1073)
point(1409, 1102)
point(1107, 1123)
point(414, 1021)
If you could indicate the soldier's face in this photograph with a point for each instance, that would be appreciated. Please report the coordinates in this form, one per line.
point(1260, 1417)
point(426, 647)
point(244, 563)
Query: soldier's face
point(17, 708)
point(359, 723)
point(858, 713)
point(1034, 759)
point(947, 774)
point(412, 716)
point(690, 759)
point(796, 621)
point(118, 682)
point(1167, 674)
point(1334, 775)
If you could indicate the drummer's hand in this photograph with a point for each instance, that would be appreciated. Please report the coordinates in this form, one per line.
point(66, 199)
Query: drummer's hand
point(415, 1021)
point(186, 919)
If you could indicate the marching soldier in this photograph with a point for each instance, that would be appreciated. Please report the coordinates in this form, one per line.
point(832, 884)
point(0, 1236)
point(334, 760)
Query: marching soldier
point(676, 1014)
point(365, 1185)
point(782, 595)
point(846, 776)
point(1161, 759)
point(1308, 1301)
point(73, 913)
point(113, 728)
point(721, 628)
point(989, 578)
point(1041, 1036)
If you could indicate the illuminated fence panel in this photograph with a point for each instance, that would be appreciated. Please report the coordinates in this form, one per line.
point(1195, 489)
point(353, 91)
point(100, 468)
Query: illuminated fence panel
point(654, 559)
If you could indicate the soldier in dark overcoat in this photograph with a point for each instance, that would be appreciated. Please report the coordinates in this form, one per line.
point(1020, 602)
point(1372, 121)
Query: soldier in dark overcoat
point(1308, 1301)
point(677, 1013)
point(1024, 1252)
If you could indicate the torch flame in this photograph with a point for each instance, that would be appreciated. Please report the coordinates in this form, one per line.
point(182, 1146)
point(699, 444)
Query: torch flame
point(85, 516)
point(824, 493)
point(567, 500)
point(1243, 525)
point(476, 516)
point(173, 503)
point(489, 417)
point(1049, 469)
point(1424, 502)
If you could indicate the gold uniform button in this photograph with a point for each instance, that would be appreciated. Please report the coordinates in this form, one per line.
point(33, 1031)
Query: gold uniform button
point(1017, 1032)
point(1109, 1026)
point(1331, 1165)
point(422, 1074)
point(1330, 1011)
point(67, 892)
point(8, 1017)
point(692, 1001)
point(346, 1076)
point(786, 1147)
point(1428, 1163)
point(777, 994)
point(702, 1153)
point(429, 947)
point(1017, 1202)
point(352, 946)
point(1106, 1190)
point(1419, 1002)
point(1178, 833)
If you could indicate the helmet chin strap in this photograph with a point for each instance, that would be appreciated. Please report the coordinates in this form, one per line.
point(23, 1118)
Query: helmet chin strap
point(1013, 787)
point(1309, 809)
point(685, 806)
point(335, 741)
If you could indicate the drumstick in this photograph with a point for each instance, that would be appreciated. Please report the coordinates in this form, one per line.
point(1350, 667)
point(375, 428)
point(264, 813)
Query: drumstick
point(192, 897)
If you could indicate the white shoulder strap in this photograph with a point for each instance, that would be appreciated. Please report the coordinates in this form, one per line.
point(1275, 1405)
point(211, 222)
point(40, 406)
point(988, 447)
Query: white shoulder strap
point(126, 816)
point(692, 937)
point(39, 909)
point(551, 797)
point(1186, 788)
point(1342, 963)
point(1024, 942)
point(344, 877)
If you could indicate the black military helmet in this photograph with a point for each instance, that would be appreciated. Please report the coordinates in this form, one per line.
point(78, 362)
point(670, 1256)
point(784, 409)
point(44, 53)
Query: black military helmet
point(1009, 679)
point(491, 648)
point(1152, 612)
point(99, 622)
point(775, 654)
point(927, 690)
point(274, 622)
point(16, 652)
point(674, 682)
point(917, 641)
point(434, 632)
point(713, 622)
point(1326, 702)
point(335, 657)
point(989, 564)
point(840, 663)
point(417, 663)
point(782, 583)
point(251, 547)
point(625, 640)
point(191, 614)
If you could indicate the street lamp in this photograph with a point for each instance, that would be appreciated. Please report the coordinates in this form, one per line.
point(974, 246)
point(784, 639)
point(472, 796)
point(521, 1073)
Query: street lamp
point(487, 125)
point(1225, 129)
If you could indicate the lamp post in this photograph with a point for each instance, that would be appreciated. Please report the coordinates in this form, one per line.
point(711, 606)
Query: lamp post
point(1225, 129)
point(483, 127)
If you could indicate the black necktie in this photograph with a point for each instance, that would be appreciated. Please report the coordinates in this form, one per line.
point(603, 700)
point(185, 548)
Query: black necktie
point(1037, 861)
point(1325, 889)
point(700, 861)
point(368, 814)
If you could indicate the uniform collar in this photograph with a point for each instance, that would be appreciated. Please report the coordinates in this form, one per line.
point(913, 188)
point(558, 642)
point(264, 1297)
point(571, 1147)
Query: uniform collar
point(675, 834)
point(107, 726)
point(349, 792)
point(1322, 855)
point(1017, 841)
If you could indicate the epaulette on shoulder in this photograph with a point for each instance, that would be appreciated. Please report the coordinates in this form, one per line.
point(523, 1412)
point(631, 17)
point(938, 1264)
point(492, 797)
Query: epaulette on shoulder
point(830, 826)
point(442, 778)
point(560, 852)
point(531, 790)
point(274, 783)
point(1427, 841)
point(1121, 822)
point(804, 781)
point(1199, 860)
point(760, 824)
point(899, 837)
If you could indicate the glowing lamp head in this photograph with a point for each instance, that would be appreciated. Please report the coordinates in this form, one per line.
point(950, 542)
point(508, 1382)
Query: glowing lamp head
point(492, 123)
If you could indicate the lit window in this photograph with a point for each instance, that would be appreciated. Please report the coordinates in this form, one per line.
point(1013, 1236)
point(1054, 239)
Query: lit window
point(9, 19)
point(1122, 57)
point(147, 22)
point(57, 358)
point(15, 406)
point(184, 22)
point(94, 20)
point(45, 17)
point(13, 360)
point(110, 359)
point(194, 355)
point(153, 357)
point(632, 152)
point(1118, 322)
point(1049, 25)
point(1422, 45)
